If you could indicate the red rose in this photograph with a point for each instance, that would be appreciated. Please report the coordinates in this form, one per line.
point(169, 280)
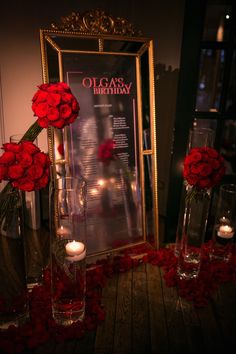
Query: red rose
point(41, 109)
point(187, 160)
point(41, 159)
point(195, 169)
point(40, 96)
point(15, 171)
point(65, 111)
point(67, 97)
point(24, 184)
point(204, 183)
point(205, 169)
point(195, 156)
point(53, 99)
point(43, 122)
point(53, 114)
point(75, 105)
point(25, 159)
point(192, 179)
point(59, 123)
point(35, 172)
point(7, 158)
point(13, 147)
point(28, 146)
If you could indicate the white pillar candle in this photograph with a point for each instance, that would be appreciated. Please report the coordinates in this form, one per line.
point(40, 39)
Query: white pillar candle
point(76, 251)
point(225, 231)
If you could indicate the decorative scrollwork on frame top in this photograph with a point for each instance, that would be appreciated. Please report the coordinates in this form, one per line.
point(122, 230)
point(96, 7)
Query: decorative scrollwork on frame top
point(96, 22)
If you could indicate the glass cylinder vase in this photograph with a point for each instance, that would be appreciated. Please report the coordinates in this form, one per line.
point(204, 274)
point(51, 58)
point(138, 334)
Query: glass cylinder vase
point(193, 228)
point(225, 224)
point(198, 137)
point(14, 308)
point(34, 243)
point(68, 249)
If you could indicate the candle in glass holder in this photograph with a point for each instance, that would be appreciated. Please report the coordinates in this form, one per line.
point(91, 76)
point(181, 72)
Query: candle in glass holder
point(225, 231)
point(76, 251)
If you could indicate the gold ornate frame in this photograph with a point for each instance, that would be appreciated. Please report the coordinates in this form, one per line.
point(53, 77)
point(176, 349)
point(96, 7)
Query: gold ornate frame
point(109, 36)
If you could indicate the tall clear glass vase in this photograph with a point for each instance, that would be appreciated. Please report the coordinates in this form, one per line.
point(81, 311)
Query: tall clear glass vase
point(198, 137)
point(14, 307)
point(193, 228)
point(68, 248)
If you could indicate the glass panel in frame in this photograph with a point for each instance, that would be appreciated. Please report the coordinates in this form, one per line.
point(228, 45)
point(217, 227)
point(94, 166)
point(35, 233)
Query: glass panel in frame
point(231, 97)
point(106, 88)
point(210, 80)
point(228, 146)
point(217, 22)
point(110, 87)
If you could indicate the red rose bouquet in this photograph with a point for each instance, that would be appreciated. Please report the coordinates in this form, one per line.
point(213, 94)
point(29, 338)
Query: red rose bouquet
point(23, 165)
point(55, 105)
point(203, 168)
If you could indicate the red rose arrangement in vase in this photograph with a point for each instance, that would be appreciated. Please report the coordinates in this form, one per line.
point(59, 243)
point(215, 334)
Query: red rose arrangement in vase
point(23, 165)
point(203, 169)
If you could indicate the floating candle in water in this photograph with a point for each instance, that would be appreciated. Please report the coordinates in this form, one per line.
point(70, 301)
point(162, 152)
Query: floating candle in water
point(225, 231)
point(76, 251)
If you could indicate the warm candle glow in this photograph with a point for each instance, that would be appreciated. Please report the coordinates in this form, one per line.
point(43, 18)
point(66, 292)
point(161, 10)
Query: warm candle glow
point(63, 231)
point(76, 251)
point(225, 231)
point(74, 248)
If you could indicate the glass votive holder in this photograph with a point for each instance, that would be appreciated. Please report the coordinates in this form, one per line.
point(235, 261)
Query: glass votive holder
point(225, 224)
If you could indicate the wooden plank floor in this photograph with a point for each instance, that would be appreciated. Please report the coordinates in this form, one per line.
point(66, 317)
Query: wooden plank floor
point(145, 316)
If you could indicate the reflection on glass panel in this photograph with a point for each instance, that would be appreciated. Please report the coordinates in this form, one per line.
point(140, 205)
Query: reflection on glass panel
point(228, 146)
point(206, 124)
point(75, 43)
point(122, 46)
point(114, 210)
point(217, 22)
point(146, 139)
point(231, 99)
point(210, 80)
point(53, 64)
